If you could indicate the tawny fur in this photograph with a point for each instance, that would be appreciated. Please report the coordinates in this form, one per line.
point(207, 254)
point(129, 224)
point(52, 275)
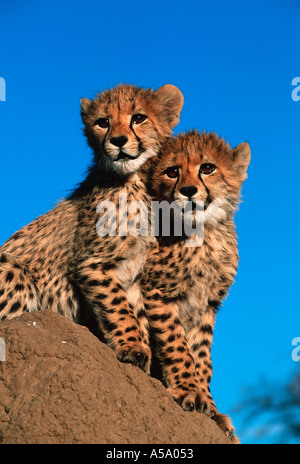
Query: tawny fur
point(59, 262)
point(183, 286)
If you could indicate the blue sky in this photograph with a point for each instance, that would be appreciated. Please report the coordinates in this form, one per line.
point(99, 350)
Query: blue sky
point(234, 62)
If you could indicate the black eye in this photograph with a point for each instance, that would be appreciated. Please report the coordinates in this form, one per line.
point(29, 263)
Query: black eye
point(207, 168)
point(173, 173)
point(138, 118)
point(102, 122)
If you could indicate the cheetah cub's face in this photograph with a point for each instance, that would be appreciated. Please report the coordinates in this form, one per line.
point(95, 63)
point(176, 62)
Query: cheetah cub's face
point(202, 169)
point(126, 126)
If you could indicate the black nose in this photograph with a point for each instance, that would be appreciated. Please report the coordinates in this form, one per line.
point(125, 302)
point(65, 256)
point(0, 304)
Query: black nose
point(189, 191)
point(119, 141)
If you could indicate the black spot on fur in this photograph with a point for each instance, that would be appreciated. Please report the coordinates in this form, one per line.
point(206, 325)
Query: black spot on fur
point(195, 346)
point(118, 300)
point(19, 287)
point(170, 349)
point(205, 343)
point(160, 317)
point(130, 329)
point(207, 329)
point(94, 283)
point(181, 349)
point(141, 313)
point(101, 296)
point(3, 304)
point(108, 266)
point(123, 311)
point(9, 277)
point(214, 303)
point(15, 307)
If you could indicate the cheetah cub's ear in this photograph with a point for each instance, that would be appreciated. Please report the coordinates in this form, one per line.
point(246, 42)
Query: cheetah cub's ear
point(84, 106)
point(241, 156)
point(172, 100)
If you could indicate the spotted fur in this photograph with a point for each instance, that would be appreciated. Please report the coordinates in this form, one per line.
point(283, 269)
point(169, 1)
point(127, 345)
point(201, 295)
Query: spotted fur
point(59, 261)
point(184, 286)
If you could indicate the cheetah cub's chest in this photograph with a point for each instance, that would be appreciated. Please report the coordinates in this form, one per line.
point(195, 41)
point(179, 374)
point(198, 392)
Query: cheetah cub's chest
point(202, 268)
point(134, 209)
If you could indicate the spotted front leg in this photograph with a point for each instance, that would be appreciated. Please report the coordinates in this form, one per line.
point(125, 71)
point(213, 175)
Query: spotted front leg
point(200, 342)
point(176, 359)
point(114, 313)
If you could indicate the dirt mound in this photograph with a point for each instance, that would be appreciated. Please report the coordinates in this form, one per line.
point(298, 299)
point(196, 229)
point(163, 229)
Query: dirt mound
point(60, 384)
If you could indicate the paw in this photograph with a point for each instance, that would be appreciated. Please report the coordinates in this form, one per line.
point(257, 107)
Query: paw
point(191, 400)
point(138, 355)
point(225, 424)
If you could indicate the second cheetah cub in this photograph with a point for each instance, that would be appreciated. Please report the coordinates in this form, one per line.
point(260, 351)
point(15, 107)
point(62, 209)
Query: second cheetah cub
point(184, 286)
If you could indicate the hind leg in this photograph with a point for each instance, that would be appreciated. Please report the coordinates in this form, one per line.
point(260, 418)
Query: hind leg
point(18, 293)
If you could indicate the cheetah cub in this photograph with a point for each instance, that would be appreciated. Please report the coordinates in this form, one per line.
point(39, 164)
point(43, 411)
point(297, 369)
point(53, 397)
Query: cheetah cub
point(183, 286)
point(60, 261)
